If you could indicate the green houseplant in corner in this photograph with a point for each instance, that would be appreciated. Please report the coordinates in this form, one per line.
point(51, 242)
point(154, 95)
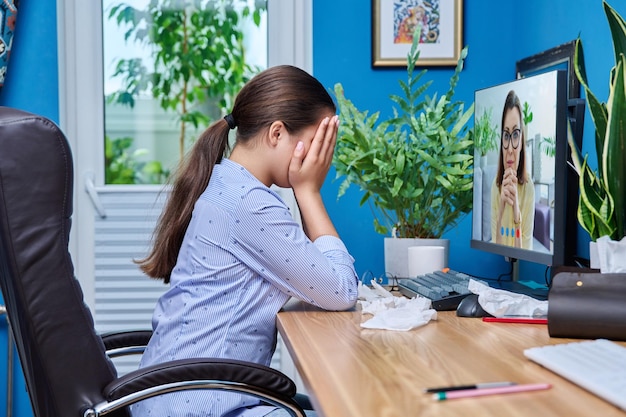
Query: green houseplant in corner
point(602, 201)
point(415, 168)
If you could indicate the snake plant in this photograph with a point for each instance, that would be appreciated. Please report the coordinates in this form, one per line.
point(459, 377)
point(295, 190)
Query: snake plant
point(602, 203)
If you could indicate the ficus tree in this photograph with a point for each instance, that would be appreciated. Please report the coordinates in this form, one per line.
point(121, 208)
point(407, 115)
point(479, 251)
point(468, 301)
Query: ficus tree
point(198, 55)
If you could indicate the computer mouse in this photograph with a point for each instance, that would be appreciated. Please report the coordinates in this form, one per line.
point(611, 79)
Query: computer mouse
point(470, 307)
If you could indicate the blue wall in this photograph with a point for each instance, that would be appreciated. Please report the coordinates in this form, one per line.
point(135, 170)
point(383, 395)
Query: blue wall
point(31, 84)
point(498, 34)
point(32, 74)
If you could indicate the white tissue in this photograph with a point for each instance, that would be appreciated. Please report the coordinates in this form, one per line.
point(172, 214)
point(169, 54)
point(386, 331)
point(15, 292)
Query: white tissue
point(377, 291)
point(391, 312)
point(611, 255)
point(500, 303)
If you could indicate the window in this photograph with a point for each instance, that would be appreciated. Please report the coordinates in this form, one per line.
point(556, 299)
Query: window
point(170, 69)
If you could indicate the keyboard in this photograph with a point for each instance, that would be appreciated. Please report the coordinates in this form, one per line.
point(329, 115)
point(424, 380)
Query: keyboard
point(447, 289)
point(444, 289)
point(596, 365)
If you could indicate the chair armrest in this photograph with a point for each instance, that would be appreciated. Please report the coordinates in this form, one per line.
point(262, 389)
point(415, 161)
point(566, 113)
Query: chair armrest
point(257, 380)
point(126, 342)
point(201, 369)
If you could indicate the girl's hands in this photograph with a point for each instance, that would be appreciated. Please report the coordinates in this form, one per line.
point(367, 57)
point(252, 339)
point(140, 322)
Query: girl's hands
point(308, 172)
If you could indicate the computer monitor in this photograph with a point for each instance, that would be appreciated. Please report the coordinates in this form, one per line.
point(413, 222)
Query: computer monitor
point(525, 195)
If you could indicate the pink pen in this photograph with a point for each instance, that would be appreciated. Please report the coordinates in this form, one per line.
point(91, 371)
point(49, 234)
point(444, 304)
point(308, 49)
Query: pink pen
point(467, 393)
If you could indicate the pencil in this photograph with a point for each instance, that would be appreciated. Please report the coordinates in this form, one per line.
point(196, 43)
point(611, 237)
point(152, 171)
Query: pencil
point(440, 396)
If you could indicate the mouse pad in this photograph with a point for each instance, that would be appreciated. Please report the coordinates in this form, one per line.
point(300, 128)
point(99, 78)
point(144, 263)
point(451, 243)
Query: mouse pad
point(587, 306)
point(538, 292)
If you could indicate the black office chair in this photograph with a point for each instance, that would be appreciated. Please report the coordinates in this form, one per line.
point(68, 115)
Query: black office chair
point(65, 362)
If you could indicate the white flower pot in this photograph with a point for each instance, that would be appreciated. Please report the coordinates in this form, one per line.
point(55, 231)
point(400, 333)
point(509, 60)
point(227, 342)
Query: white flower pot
point(608, 255)
point(396, 254)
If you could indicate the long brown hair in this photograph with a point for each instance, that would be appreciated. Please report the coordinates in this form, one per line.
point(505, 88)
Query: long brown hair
point(512, 102)
point(284, 93)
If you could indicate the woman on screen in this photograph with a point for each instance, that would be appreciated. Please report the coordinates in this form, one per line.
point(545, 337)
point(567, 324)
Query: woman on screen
point(512, 192)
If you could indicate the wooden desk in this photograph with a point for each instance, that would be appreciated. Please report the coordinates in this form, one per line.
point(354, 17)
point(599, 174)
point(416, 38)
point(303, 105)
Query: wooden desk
point(349, 371)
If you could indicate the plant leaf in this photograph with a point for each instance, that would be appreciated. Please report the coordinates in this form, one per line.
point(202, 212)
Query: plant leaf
point(614, 152)
point(618, 31)
point(596, 108)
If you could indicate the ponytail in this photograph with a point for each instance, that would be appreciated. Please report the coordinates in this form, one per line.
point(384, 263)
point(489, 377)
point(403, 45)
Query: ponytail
point(192, 178)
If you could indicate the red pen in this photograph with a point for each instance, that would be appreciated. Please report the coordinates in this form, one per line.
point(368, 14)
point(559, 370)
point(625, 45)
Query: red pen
point(524, 320)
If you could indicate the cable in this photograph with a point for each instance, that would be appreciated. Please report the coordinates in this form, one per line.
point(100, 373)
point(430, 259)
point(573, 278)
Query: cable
point(510, 273)
point(365, 275)
point(483, 278)
point(393, 282)
point(547, 278)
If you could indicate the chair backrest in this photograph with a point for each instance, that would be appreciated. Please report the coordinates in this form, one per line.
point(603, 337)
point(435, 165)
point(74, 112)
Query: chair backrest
point(63, 358)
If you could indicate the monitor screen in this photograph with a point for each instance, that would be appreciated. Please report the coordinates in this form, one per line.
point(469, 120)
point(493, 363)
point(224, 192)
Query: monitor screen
point(521, 169)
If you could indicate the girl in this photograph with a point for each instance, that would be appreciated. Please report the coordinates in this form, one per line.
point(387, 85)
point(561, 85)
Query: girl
point(230, 248)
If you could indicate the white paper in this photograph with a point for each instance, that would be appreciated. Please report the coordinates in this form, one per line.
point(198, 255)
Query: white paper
point(611, 255)
point(393, 313)
point(500, 303)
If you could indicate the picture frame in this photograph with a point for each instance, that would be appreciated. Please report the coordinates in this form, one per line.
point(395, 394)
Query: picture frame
point(559, 57)
point(393, 25)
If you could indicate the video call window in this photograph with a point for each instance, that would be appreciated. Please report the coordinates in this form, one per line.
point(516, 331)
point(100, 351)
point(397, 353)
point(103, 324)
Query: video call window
point(515, 148)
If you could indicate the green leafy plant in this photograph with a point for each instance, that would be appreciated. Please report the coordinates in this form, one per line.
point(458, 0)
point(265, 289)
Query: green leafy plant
point(527, 114)
point(602, 202)
point(198, 52)
point(527, 118)
point(485, 134)
point(125, 167)
point(548, 146)
point(416, 167)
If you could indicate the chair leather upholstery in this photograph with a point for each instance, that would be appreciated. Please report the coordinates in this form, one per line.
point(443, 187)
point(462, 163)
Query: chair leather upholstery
point(59, 352)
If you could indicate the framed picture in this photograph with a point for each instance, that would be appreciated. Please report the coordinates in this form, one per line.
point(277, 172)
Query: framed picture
point(559, 57)
point(394, 23)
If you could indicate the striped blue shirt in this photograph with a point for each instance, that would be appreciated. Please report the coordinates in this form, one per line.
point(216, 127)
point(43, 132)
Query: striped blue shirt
point(243, 256)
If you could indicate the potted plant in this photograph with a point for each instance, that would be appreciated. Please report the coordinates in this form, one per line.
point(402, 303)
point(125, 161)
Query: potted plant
point(485, 134)
point(602, 201)
point(415, 168)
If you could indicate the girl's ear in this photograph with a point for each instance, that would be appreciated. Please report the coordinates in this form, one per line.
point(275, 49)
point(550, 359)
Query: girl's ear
point(276, 129)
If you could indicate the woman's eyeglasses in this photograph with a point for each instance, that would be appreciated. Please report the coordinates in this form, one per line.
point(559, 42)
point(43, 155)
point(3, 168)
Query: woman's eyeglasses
point(512, 138)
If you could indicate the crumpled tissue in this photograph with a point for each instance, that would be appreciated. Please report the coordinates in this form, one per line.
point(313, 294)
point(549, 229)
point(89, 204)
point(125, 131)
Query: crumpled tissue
point(500, 303)
point(611, 255)
point(391, 312)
